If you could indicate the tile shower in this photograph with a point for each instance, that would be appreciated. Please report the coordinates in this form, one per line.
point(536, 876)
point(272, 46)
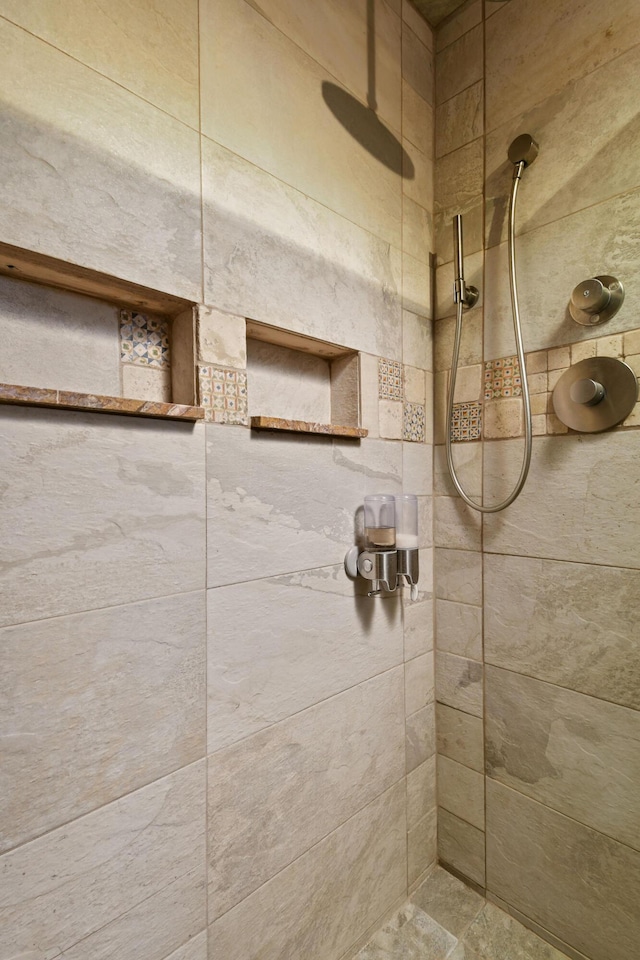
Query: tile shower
point(213, 748)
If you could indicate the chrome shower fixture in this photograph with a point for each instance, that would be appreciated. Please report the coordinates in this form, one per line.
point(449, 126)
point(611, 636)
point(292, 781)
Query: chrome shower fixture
point(523, 149)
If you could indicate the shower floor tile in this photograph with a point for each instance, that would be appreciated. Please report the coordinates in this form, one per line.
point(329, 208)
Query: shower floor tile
point(446, 920)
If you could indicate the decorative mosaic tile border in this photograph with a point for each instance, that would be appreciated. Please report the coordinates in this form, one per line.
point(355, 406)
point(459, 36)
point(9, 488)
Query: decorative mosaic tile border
point(223, 394)
point(414, 422)
point(390, 379)
point(144, 340)
point(466, 423)
point(502, 378)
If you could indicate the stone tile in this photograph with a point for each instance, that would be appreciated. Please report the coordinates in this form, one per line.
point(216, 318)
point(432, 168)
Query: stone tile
point(262, 519)
point(458, 575)
point(414, 385)
point(417, 470)
point(60, 892)
point(273, 651)
point(593, 513)
point(420, 737)
point(417, 65)
point(459, 629)
point(579, 885)
point(368, 394)
point(146, 383)
point(460, 737)
point(459, 22)
point(195, 949)
point(128, 523)
point(445, 306)
point(468, 384)
point(254, 229)
point(263, 810)
point(448, 901)
point(417, 120)
point(416, 286)
point(101, 193)
point(494, 933)
point(357, 871)
point(459, 179)
point(390, 415)
point(467, 460)
point(153, 56)
point(576, 246)
point(422, 846)
point(459, 65)
point(571, 752)
point(289, 384)
point(410, 934)
point(473, 228)
point(461, 791)
point(56, 339)
point(417, 340)
point(503, 418)
point(417, 230)
point(456, 524)
point(418, 682)
point(99, 695)
point(222, 338)
point(461, 846)
point(440, 406)
point(523, 67)
point(417, 23)
point(571, 624)
point(459, 683)
point(421, 791)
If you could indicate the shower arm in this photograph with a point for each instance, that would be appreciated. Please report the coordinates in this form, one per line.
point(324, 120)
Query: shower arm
point(464, 296)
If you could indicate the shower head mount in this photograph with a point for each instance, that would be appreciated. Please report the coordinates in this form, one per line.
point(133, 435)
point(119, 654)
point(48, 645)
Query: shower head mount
point(524, 149)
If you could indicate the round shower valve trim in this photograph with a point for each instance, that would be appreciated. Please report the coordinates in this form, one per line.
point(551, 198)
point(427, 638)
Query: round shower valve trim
point(595, 394)
point(596, 300)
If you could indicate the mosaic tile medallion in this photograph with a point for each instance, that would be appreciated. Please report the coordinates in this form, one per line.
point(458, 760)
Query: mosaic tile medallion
point(223, 394)
point(502, 378)
point(413, 422)
point(389, 380)
point(467, 421)
point(144, 340)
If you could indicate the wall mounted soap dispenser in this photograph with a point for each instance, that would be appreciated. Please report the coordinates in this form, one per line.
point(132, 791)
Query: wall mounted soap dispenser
point(390, 553)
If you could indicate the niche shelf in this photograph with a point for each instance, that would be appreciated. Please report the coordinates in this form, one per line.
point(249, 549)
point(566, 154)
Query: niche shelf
point(299, 384)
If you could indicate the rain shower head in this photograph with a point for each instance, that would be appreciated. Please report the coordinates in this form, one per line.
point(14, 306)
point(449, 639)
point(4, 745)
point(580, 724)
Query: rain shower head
point(524, 149)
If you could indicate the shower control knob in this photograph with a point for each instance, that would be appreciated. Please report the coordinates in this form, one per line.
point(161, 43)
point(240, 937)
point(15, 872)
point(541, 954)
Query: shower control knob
point(586, 391)
point(596, 300)
point(591, 296)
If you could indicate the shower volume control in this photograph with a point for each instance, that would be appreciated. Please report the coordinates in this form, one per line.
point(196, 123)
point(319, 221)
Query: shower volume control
point(596, 300)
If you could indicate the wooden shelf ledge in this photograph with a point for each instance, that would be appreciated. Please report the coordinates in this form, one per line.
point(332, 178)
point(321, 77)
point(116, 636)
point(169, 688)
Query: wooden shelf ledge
point(96, 403)
point(304, 426)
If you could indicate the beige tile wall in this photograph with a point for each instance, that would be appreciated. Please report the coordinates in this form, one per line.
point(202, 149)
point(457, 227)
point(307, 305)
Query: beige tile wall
point(216, 745)
point(537, 605)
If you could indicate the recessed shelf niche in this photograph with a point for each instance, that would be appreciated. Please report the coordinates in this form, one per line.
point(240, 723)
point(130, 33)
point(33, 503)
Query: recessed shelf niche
point(300, 384)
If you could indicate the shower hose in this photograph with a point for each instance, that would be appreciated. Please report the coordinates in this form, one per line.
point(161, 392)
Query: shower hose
point(517, 327)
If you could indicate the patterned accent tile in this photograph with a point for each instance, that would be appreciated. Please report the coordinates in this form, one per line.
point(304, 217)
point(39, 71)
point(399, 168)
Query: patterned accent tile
point(390, 385)
point(467, 421)
point(144, 340)
point(502, 378)
point(413, 422)
point(223, 394)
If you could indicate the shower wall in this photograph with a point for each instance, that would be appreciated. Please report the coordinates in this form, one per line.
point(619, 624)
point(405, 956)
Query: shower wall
point(538, 663)
point(214, 744)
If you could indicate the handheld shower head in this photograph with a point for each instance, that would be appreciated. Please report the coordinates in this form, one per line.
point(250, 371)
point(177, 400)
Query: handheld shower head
point(524, 149)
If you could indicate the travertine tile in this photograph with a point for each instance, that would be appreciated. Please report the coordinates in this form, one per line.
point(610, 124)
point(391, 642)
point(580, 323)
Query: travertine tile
point(417, 340)
point(579, 885)
point(390, 414)
point(468, 384)
point(460, 737)
point(266, 124)
point(571, 752)
point(146, 383)
point(448, 901)
point(593, 513)
point(291, 655)
point(461, 846)
point(459, 629)
point(410, 933)
point(107, 868)
point(422, 846)
point(523, 67)
point(417, 64)
point(459, 683)
point(289, 384)
point(262, 519)
point(418, 674)
point(570, 624)
point(421, 791)
point(368, 393)
point(417, 120)
point(127, 524)
point(458, 575)
point(222, 338)
point(503, 418)
point(440, 406)
point(113, 182)
point(262, 791)
point(414, 385)
point(100, 696)
point(149, 48)
point(255, 229)
point(461, 791)
point(53, 338)
point(421, 737)
point(357, 871)
point(456, 524)
point(459, 65)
